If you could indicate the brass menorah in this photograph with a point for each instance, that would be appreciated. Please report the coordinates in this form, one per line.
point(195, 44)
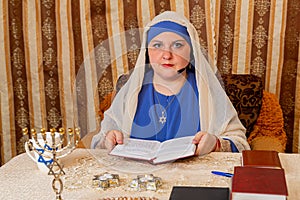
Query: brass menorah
point(53, 149)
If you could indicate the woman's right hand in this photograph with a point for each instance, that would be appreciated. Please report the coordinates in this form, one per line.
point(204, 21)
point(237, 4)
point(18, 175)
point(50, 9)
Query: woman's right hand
point(205, 142)
point(113, 138)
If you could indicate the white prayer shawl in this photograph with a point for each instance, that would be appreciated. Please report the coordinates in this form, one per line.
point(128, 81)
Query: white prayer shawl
point(217, 114)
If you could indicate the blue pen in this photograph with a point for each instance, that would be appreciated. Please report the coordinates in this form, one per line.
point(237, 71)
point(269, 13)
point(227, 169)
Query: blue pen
point(222, 174)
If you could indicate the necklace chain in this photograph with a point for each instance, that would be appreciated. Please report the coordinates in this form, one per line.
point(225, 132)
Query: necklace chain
point(163, 118)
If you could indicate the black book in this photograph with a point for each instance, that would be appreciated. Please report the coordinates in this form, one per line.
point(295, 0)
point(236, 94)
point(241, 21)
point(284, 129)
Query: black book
point(197, 193)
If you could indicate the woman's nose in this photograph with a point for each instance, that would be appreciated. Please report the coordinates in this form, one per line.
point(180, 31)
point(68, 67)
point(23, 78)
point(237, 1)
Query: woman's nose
point(167, 54)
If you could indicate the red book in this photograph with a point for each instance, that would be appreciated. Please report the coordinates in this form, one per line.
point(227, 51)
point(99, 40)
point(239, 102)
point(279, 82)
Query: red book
point(260, 158)
point(258, 183)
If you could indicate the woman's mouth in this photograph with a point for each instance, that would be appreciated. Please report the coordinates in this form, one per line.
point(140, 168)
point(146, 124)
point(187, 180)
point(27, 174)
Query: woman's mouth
point(167, 65)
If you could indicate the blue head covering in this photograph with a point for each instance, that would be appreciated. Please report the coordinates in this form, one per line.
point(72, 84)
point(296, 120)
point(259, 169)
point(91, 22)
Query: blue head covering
point(168, 26)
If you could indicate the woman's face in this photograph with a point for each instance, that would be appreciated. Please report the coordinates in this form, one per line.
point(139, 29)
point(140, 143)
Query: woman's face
point(168, 53)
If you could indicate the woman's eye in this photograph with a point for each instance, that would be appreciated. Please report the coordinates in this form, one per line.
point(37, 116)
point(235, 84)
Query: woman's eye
point(157, 45)
point(177, 45)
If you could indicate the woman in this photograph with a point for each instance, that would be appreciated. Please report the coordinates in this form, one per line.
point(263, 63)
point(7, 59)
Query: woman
point(172, 92)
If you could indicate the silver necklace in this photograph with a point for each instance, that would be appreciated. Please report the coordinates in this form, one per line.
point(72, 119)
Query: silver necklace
point(163, 117)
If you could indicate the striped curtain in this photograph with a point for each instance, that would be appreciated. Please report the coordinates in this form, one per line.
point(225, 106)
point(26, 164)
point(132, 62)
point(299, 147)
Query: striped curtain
point(60, 58)
point(261, 37)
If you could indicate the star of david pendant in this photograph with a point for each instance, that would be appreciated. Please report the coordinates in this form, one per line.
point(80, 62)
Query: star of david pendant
point(163, 118)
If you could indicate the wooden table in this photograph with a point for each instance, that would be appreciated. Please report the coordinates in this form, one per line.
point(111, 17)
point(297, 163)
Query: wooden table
point(21, 179)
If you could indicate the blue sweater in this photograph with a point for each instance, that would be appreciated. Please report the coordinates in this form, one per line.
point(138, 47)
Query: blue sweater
point(181, 112)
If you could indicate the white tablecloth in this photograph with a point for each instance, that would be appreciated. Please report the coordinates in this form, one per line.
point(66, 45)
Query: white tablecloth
point(21, 179)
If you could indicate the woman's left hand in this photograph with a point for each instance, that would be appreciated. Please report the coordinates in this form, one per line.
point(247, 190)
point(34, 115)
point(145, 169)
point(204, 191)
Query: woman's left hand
point(205, 142)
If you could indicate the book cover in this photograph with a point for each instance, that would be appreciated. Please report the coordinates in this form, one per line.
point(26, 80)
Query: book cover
point(154, 151)
point(258, 183)
point(261, 158)
point(196, 193)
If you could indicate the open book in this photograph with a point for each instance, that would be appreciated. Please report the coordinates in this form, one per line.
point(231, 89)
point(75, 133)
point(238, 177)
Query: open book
point(154, 151)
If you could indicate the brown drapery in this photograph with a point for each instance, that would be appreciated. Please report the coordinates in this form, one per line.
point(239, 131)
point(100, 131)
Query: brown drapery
point(60, 58)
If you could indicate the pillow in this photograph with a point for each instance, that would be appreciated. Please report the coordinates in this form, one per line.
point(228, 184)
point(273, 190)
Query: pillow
point(245, 92)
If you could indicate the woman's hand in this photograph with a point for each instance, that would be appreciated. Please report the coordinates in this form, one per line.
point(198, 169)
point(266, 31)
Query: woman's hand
point(205, 142)
point(113, 138)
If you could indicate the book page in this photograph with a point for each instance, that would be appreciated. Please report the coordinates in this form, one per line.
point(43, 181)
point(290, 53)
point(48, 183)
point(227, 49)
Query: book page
point(175, 148)
point(136, 148)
